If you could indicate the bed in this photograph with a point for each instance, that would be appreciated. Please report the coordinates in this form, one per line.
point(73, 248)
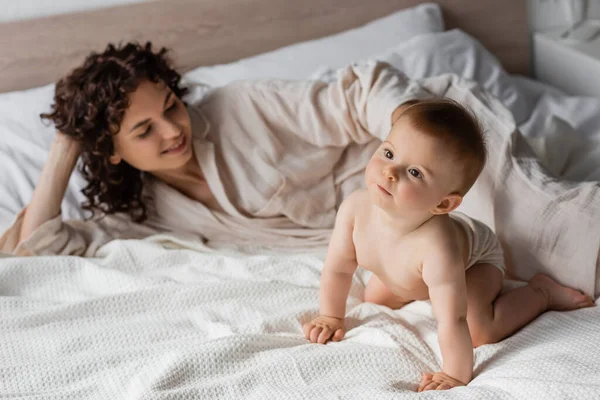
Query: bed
point(160, 319)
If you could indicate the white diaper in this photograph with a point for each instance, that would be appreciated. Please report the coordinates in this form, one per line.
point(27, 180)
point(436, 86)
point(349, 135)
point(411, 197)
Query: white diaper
point(485, 246)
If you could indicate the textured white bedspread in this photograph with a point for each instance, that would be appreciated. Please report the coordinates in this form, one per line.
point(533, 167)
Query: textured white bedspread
point(143, 322)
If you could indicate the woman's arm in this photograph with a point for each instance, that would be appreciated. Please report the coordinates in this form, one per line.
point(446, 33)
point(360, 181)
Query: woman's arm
point(38, 228)
point(354, 108)
point(50, 190)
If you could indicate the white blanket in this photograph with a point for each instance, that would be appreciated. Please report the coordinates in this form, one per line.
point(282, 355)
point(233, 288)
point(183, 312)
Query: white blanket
point(143, 322)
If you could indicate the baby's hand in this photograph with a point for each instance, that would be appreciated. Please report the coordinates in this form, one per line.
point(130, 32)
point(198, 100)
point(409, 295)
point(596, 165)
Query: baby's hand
point(322, 328)
point(438, 381)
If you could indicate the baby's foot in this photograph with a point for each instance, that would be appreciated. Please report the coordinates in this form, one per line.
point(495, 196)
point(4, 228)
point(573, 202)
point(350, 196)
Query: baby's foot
point(559, 297)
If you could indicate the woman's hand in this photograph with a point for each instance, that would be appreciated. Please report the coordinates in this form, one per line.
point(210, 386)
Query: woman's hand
point(324, 328)
point(438, 381)
point(65, 143)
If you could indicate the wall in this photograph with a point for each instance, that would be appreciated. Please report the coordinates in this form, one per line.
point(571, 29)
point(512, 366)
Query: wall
point(544, 14)
point(12, 10)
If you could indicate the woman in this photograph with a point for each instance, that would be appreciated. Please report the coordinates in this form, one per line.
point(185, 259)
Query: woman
point(262, 162)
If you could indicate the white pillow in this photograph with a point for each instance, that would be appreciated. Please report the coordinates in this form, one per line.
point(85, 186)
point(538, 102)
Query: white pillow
point(555, 149)
point(298, 61)
point(456, 52)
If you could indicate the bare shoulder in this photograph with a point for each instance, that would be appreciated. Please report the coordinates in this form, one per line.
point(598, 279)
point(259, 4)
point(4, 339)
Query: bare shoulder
point(441, 231)
point(341, 244)
point(357, 198)
point(440, 239)
point(354, 203)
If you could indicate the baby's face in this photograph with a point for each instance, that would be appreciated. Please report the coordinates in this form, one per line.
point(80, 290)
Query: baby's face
point(410, 172)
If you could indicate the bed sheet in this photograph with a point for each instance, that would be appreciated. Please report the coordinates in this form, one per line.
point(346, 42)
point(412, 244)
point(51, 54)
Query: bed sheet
point(145, 322)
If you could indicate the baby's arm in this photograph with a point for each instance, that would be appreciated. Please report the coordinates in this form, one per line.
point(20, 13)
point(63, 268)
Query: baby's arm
point(444, 274)
point(336, 278)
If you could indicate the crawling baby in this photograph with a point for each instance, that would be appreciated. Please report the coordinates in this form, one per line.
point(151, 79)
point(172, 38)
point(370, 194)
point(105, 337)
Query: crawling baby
point(402, 228)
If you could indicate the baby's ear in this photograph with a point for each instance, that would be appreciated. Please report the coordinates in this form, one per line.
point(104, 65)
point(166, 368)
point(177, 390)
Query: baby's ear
point(449, 203)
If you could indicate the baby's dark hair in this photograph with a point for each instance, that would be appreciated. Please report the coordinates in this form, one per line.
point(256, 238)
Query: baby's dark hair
point(89, 105)
point(457, 127)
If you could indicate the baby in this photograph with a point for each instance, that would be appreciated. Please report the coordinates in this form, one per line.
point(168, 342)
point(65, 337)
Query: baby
point(401, 228)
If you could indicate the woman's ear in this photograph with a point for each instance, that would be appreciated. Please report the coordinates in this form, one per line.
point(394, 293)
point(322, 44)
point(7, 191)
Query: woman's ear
point(449, 203)
point(115, 159)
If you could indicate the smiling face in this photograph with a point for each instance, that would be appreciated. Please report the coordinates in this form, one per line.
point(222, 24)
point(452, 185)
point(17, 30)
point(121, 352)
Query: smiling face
point(155, 133)
point(411, 173)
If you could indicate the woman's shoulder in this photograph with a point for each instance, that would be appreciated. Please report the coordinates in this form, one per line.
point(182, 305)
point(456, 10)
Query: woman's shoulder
point(200, 95)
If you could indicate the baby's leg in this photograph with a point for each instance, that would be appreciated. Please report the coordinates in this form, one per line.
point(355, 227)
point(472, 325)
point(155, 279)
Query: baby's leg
point(376, 292)
point(492, 318)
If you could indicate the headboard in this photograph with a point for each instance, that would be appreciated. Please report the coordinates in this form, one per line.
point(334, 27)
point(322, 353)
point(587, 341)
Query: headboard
point(40, 51)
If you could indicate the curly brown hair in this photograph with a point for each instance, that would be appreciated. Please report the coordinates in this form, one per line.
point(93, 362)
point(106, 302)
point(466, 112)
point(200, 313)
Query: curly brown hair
point(89, 105)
